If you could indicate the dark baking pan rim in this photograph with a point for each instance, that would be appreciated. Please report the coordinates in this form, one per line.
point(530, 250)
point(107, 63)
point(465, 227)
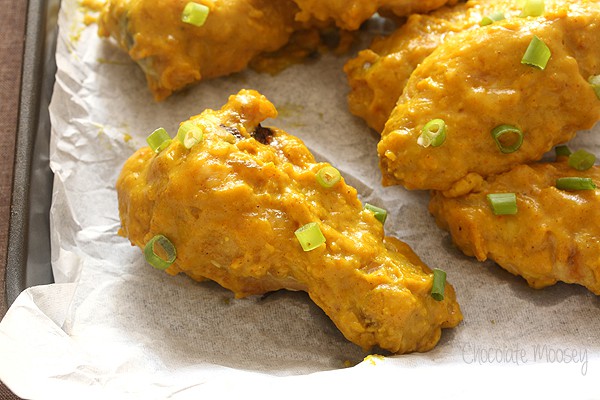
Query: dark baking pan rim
point(28, 252)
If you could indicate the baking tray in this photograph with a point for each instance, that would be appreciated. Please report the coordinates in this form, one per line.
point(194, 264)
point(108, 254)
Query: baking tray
point(28, 254)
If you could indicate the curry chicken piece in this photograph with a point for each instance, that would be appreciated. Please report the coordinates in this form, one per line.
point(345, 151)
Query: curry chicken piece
point(350, 14)
point(174, 54)
point(475, 81)
point(553, 237)
point(231, 204)
point(378, 75)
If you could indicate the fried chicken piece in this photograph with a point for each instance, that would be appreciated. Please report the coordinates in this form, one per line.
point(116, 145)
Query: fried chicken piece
point(378, 75)
point(553, 237)
point(231, 204)
point(350, 14)
point(174, 54)
point(475, 81)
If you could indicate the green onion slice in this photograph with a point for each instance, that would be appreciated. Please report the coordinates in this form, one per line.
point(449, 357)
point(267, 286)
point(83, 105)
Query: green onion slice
point(328, 176)
point(533, 8)
point(154, 259)
point(158, 140)
point(537, 54)
point(380, 214)
point(310, 236)
point(503, 203)
point(433, 133)
point(189, 134)
point(575, 183)
point(581, 160)
point(439, 284)
point(508, 138)
point(195, 14)
point(562, 151)
point(490, 19)
point(595, 82)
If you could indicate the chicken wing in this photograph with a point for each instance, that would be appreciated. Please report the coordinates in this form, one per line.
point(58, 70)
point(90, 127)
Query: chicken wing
point(378, 75)
point(174, 54)
point(476, 81)
point(231, 205)
point(552, 237)
point(350, 14)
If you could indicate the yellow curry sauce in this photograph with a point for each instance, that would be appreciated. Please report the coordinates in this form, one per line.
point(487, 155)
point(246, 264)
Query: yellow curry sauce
point(231, 205)
point(475, 81)
point(553, 237)
point(350, 14)
point(174, 54)
point(378, 75)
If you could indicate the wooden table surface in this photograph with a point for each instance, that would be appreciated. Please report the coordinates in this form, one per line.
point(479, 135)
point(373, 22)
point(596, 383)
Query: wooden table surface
point(12, 34)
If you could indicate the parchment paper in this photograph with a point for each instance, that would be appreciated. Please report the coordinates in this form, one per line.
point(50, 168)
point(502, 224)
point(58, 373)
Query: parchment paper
point(113, 327)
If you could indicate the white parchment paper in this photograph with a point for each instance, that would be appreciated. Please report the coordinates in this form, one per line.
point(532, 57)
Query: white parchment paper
point(113, 327)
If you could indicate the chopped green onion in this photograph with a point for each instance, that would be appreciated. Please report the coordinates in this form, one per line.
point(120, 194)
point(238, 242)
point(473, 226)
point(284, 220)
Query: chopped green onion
point(433, 133)
point(537, 54)
point(158, 140)
point(439, 284)
point(581, 160)
point(508, 138)
point(189, 134)
point(562, 151)
point(575, 183)
point(154, 259)
point(595, 82)
point(310, 236)
point(490, 19)
point(328, 176)
point(533, 8)
point(503, 203)
point(195, 14)
point(379, 213)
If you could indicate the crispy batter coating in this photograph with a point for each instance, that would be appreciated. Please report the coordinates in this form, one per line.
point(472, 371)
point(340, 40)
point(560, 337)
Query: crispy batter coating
point(553, 237)
point(174, 54)
point(475, 81)
point(350, 14)
point(378, 75)
point(231, 205)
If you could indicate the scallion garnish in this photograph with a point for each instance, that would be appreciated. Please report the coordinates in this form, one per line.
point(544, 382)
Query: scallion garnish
point(158, 140)
point(490, 19)
point(562, 151)
point(328, 176)
point(537, 54)
point(379, 213)
point(154, 259)
point(595, 82)
point(581, 160)
point(575, 183)
point(433, 133)
point(503, 203)
point(439, 284)
point(310, 236)
point(189, 134)
point(194, 14)
point(508, 138)
point(533, 8)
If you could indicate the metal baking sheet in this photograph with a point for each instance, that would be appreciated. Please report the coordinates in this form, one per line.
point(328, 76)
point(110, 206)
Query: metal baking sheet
point(28, 253)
